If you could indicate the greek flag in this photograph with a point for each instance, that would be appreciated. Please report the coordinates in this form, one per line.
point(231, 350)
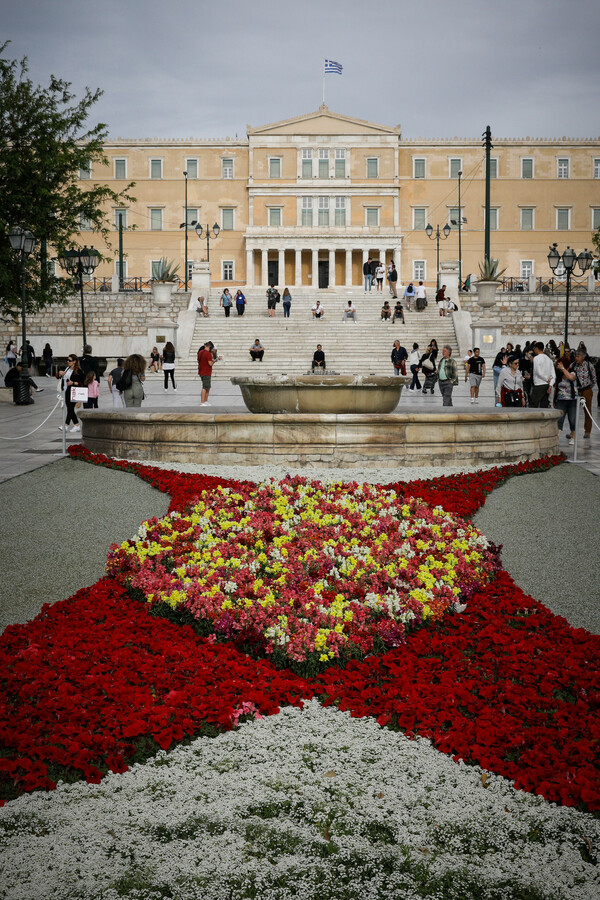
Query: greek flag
point(332, 67)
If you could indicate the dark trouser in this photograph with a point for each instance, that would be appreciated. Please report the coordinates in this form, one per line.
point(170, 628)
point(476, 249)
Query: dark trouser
point(539, 398)
point(588, 394)
point(446, 388)
point(91, 403)
point(257, 354)
point(166, 373)
point(71, 415)
point(569, 410)
point(415, 383)
point(227, 311)
point(240, 308)
point(286, 310)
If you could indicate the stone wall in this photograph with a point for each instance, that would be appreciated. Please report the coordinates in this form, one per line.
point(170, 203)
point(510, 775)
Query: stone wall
point(540, 314)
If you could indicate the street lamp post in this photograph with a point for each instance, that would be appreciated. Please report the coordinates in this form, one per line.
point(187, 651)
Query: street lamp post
point(23, 242)
point(569, 260)
point(211, 234)
point(185, 225)
point(79, 263)
point(438, 236)
point(459, 235)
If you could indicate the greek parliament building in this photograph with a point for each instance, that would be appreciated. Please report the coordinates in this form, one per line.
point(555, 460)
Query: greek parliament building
point(305, 201)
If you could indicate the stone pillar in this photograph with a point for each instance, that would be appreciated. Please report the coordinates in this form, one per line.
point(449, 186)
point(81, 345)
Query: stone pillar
point(249, 268)
point(281, 267)
point(449, 276)
point(315, 270)
point(382, 256)
point(264, 267)
point(348, 253)
point(298, 269)
point(332, 268)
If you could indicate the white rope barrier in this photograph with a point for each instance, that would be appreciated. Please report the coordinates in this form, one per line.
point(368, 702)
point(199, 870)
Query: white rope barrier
point(21, 437)
point(589, 412)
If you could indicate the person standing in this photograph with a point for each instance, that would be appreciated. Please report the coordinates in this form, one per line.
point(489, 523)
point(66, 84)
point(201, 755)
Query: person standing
point(206, 361)
point(48, 357)
point(169, 365)
point(414, 360)
point(368, 275)
point(399, 357)
point(499, 362)
point(476, 369)
point(287, 302)
point(510, 384)
point(70, 377)
point(118, 401)
point(134, 370)
point(440, 299)
point(93, 386)
point(272, 296)
point(585, 379)
point(447, 375)
point(544, 377)
point(226, 302)
point(318, 360)
point(421, 296)
point(240, 303)
point(409, 296)
point(393, 279)
point(380, 275)
point(11, 354)
point(429, 369)
point(90, 363)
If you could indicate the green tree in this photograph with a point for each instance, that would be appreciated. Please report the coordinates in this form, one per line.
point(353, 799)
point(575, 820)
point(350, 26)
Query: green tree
point(44, 143)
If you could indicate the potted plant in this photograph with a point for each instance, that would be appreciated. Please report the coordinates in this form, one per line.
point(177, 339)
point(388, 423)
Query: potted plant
point(488, 282)
point(164, 278)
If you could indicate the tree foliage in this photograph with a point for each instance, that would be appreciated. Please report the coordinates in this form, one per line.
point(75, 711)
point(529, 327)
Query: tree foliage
point(596, 243)
point(44, 143)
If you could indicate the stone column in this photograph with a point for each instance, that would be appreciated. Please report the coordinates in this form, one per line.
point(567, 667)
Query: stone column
point(281, 267)
point(298, 269)
point(249, 268)
point(315, 270)
point(382, 256)
point(265, 268)
point(332, 268)
point(348, 253)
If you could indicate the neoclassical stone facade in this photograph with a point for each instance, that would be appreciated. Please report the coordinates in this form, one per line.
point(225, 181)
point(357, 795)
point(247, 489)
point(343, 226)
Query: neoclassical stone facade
point(304, 202)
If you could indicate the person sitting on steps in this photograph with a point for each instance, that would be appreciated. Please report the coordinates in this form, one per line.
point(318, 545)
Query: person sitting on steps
point(318, 360)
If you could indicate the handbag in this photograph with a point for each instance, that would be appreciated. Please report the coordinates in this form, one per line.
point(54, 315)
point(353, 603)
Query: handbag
point(511, 398)
point(428, 365)
point(125, 381)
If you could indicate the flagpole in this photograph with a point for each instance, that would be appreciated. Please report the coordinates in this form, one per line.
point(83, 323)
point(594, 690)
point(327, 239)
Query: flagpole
point(323, 83)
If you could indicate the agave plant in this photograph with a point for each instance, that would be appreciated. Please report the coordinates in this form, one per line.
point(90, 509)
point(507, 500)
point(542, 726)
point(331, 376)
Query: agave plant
point(165, 271)
point(488, 270)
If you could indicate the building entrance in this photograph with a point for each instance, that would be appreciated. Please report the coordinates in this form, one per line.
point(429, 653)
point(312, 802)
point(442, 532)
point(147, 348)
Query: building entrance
point(273, 271)
point(323, 273)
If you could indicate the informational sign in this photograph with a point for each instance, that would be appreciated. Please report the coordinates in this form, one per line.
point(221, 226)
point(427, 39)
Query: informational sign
point(79, 394)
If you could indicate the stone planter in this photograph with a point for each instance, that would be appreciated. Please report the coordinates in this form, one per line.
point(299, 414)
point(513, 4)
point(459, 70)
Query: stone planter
point(321, 394)
point(161, 294)
point(486, 293)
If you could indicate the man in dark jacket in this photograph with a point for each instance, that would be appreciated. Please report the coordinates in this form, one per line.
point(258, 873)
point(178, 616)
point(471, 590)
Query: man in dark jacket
point(368, 273)
point(89, 363)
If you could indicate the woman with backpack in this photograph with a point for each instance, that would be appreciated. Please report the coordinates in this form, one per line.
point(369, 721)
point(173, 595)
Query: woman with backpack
point(409, 296)
point(130, 383)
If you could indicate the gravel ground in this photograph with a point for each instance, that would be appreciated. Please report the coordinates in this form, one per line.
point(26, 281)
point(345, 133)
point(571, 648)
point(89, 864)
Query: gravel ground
point(64, 516)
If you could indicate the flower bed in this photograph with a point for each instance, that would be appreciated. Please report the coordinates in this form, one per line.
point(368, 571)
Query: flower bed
point(304, 572)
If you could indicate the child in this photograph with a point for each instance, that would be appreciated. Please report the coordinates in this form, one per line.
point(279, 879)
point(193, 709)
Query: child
point(91, 383)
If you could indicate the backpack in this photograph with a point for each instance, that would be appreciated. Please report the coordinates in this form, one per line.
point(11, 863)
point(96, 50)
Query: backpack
point(125, 381)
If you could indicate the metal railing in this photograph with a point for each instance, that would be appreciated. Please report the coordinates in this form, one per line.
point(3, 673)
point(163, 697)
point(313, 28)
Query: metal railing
point(103, 285)
point(514, 285)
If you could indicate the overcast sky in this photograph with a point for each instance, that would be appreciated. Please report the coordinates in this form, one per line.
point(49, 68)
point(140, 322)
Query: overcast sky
point(207, 68)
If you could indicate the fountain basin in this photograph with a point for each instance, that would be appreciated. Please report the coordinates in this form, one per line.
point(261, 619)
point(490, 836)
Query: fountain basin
point(321, 394)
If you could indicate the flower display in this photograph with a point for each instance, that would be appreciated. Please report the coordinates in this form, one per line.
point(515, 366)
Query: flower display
point(317, 572)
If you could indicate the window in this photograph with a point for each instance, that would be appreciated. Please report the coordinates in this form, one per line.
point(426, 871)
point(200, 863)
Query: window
point(274, 167)
point(323, 163)
point(419, 218)
point(340, 211)
point(120, 214)
point(372, 167)
point(85, 223)
point(453, 217)
point(120, 168)
point(562, 168)
point(526, 268)
point(493, 219)
point(307, 211)
point(227, 168)
point(307, 156)
point(455, 166)
point(418, 168)
point(227, 269)
point(527, 219)
point(274, 216)
point(117, 273)
point(563, 219)
point(85, 172)
point(227, 219)
point(156, 168)
point(418, 270)
point(597, 168)
point(191, 167)
point(493, 167)
point(192, 215)
point(323, 210)
point(156, 219)
point(596, 218)
point(340, 163)
point(154, 267)
point(372, 216)
point(527, 167)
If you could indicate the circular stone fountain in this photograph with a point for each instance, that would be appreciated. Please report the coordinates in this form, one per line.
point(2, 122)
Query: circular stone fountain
point(321, 394)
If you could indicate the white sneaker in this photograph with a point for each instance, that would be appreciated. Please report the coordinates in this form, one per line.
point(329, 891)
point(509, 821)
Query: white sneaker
point(166, 390)
point(175, 389)
point(472, 399)
point(476, 399)
point(206, 404)
point(62, 428)
point(76, 429)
